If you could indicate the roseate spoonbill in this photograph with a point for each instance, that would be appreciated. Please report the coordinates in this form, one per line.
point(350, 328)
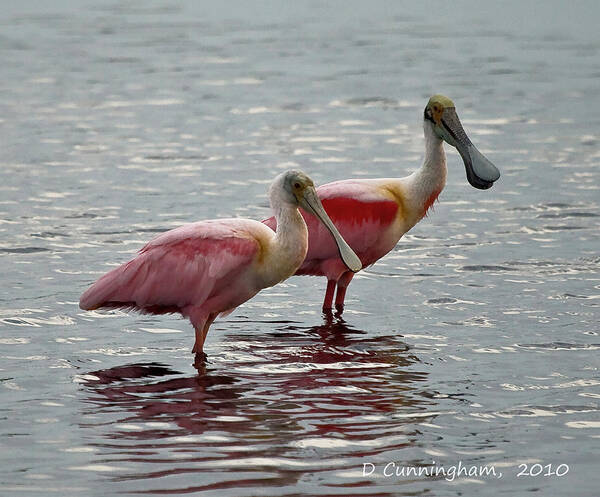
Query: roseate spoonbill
point(373, 214)
point(208, 268)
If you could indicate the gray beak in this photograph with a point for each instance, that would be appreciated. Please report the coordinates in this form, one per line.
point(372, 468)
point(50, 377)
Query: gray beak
point(310, 203)
point(481, 173)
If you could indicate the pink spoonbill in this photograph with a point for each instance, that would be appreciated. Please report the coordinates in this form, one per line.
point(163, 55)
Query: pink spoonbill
point(373, 214)
point(208, 268)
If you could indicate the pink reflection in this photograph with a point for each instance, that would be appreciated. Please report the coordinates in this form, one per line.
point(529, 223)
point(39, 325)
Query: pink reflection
point(325, 382)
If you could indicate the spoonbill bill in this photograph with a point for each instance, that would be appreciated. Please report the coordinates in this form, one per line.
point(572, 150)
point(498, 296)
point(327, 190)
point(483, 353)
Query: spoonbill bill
point(207, 268)
point(373, 214)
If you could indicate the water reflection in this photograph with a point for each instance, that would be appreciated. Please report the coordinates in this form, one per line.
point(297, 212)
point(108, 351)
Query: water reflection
point(314, 400)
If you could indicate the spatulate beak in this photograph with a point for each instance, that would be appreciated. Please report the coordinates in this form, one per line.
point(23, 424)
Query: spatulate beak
point(481, 173)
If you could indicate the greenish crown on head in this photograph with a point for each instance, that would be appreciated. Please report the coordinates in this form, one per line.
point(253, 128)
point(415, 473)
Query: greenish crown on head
point(445, 102)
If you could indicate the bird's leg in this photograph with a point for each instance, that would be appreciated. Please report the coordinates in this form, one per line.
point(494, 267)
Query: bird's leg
point(201, 332)
point(342, 285)
point(209, 321)
point(198, 317)
point(329, 295)
point(199, 343)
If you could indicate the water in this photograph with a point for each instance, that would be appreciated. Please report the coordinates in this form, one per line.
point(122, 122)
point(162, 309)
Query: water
point(475, 342)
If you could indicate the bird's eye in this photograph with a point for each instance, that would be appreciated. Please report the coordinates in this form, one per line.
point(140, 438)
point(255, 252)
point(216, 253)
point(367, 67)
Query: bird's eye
point(296, 185)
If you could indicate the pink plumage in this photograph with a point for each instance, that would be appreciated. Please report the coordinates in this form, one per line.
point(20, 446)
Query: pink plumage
point(181, 269)
point(199, 270)
point(177, 269)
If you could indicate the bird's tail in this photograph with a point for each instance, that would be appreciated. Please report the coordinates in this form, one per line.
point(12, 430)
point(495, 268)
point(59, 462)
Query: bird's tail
point(107, 289)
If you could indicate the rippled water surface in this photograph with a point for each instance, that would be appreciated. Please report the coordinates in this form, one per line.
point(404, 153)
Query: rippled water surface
point(475, 342)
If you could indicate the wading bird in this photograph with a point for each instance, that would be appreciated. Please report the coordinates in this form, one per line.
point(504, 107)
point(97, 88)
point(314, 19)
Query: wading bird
point(373, 214)
point(207, 268)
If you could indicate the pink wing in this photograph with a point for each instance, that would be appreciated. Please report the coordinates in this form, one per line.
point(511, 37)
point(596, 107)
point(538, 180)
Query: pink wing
point(178, 268)
point(361, 215)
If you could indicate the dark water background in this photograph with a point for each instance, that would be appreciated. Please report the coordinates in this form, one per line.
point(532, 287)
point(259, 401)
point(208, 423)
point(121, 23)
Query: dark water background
point(474, 342)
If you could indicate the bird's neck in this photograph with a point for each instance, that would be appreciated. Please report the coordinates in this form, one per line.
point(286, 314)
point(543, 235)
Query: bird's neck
point(428, 182)
point(291, 238)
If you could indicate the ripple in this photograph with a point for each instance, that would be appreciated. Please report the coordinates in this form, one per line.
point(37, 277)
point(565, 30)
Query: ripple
point(544, 411)
point(305, 367)
point(161, 330)
point(100, 468)
point(111, 104)
point(564, 228)
point(583, 424)
point(560, 346)
point(14, 341)
point(473, 321)
point(337, 443)
point(83, 215)
point(482, 268)
point(565, 215)
point(569, 384)
point(443, 300)
point(384, 102)
point(583, 297)
point(37, 322)
point(23, 250)
point(120, 351)
point(50, 235)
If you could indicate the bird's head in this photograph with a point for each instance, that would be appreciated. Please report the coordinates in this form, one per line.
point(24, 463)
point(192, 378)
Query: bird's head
point(440, 114)
point(296, 185)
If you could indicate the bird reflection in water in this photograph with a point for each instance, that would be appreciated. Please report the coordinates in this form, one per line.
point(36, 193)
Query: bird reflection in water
point(324, 382)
